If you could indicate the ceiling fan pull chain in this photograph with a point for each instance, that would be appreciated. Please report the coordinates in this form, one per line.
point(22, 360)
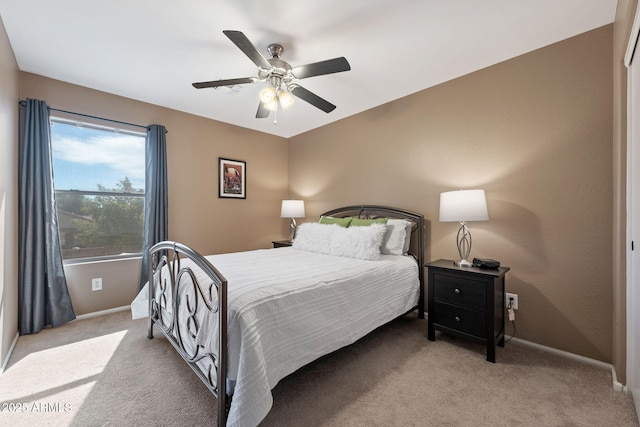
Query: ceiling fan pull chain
point(275, 113)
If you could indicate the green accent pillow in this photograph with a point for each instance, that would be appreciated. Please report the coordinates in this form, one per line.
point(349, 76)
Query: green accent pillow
point(357, 222)
point(342, 222)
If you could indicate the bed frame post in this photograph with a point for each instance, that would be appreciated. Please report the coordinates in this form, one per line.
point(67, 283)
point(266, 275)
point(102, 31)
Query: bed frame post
point(149, 289)
point(224, 402)
point(420, 257)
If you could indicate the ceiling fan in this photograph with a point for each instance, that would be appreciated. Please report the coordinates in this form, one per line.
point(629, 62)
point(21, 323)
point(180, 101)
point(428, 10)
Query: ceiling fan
point(280, 77)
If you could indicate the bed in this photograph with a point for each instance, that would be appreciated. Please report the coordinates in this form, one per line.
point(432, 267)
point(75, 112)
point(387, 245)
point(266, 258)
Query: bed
point(243, 321)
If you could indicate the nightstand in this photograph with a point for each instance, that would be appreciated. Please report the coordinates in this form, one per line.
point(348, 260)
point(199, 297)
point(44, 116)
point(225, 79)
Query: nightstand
point(467, 302)
point(282, 243)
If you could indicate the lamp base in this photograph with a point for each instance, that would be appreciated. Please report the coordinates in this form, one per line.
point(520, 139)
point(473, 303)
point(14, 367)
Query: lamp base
point(293, 228)
point(463, 263)
point(463, 242)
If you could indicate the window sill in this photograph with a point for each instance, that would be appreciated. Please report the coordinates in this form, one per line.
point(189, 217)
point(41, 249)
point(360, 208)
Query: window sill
point(96, 260)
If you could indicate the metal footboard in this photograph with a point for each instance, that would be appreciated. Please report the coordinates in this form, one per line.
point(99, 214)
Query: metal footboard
point(179, 303)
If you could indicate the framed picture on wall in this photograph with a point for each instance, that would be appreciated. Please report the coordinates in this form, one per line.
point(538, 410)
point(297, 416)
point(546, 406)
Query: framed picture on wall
point(232, 179)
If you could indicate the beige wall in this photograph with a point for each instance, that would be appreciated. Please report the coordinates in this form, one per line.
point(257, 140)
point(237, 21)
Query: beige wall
point(197, 216)
point(536, 133)
point(8, 195)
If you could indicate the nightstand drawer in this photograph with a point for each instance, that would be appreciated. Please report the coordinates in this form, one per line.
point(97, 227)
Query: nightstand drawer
point(455, 290)
point(460, 318)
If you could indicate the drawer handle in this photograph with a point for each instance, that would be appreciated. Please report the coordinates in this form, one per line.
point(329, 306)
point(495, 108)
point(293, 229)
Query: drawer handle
point(457, 290)
point(457, 318)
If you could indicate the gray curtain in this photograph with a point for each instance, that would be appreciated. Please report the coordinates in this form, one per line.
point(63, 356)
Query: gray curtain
point(156, 203)
point(43, 297)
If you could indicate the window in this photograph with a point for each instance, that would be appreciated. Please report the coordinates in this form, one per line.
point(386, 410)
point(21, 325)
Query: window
point(99, 180)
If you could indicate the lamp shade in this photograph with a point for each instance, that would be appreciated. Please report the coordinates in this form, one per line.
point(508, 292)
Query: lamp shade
point(292, 209)
point(463, 206)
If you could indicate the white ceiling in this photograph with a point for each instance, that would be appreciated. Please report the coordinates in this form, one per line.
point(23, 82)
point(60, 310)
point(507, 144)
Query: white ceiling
point(152, 50)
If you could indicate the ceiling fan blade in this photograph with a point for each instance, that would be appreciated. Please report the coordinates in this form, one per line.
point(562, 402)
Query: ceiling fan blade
point(245, 45)
point(329, 66)
point(312, 99)
point(227, 82)
point(262, 112)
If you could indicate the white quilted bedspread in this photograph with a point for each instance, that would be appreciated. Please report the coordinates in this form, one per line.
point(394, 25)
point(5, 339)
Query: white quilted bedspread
point(289, 307)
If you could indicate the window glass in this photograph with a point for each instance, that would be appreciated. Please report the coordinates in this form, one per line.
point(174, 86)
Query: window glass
point(99, 183)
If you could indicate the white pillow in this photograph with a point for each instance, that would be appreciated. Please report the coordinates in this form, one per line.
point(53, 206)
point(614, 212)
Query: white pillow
point(314, 237)
point(398, 237)
point(359, 242)
point(332, 239)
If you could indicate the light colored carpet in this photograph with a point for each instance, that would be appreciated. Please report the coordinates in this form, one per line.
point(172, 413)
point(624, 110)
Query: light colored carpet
point(103, 372)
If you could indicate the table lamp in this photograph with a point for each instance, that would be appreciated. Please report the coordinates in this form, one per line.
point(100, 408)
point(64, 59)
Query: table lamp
point(463, 206)
point(292, 209)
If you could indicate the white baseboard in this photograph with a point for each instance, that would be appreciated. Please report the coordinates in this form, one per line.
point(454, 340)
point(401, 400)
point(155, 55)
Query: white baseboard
point(617, 386)
point(103, 312)
point(5, 362)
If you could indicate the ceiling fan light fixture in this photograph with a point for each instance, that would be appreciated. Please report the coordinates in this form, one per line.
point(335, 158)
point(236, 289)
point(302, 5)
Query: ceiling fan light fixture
point(286, 100)
point(267, 95)
point(271, 106)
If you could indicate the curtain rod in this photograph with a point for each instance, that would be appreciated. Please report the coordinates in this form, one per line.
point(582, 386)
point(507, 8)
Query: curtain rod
point(24, 103)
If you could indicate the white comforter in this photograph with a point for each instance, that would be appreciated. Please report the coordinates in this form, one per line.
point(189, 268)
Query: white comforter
point(288, 307)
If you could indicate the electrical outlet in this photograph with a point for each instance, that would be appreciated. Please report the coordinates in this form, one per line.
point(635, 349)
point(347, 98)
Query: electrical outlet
point(96, 284)
point(511, 299)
